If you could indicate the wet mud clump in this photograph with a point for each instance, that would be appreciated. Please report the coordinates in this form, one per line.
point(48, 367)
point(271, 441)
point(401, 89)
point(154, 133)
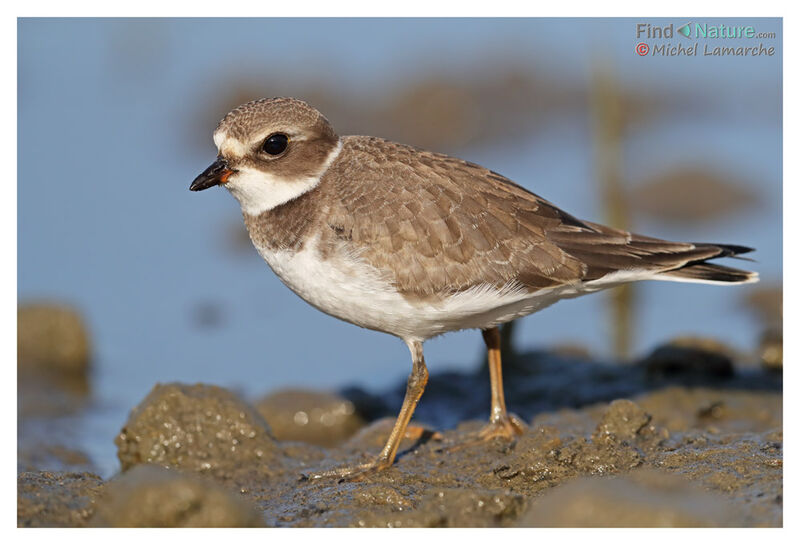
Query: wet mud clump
point(641, 499)
point(150, 496)
point(52, 338)
point(198, 428)
point(319, 418)
point(53, 359)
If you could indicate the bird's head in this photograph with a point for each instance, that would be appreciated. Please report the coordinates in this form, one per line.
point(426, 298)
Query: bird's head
point(270, 151)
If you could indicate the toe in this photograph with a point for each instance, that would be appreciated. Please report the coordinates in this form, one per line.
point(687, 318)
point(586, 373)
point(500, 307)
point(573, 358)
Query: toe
point(509, 428)
point(351, 473)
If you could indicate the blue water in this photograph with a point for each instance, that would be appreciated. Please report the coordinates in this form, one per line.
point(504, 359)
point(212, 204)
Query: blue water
point(106, 221)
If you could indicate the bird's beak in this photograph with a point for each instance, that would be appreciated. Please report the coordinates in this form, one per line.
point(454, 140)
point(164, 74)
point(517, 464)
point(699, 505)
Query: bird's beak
point(217, 173)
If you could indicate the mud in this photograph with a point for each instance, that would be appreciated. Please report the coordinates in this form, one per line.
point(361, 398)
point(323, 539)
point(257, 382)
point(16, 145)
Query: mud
point(52, 338)
point(53, 359)
point(53, 366)
point(151, 496)
point(641, 498)
point(56, 499)
point(318, 418)
point(687, 436)
point(197, 427)
point(766, 302)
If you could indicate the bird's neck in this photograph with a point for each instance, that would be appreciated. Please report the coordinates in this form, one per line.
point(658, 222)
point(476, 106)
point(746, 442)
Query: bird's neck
point(286, 226)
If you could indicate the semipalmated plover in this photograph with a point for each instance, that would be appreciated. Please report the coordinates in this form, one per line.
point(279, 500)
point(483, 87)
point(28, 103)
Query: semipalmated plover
point(416, 244)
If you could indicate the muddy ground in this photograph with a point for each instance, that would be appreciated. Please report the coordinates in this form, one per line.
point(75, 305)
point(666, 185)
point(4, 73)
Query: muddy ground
point(689, 436)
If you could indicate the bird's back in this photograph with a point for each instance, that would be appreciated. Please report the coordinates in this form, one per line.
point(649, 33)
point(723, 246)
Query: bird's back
point(437, 225)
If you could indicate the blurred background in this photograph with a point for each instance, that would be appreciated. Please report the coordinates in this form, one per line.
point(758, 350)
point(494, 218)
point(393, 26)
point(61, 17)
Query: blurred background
point(115, 120)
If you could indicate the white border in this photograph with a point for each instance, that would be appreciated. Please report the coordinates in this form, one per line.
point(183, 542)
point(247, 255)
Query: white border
point(417, 8)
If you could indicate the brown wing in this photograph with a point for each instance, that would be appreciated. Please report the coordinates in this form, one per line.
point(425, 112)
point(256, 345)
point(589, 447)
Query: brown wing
point(435, 224)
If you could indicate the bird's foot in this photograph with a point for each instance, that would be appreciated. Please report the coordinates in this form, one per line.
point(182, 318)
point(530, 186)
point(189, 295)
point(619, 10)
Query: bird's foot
point(413, 433)
point(352, 473)
point(508, 427)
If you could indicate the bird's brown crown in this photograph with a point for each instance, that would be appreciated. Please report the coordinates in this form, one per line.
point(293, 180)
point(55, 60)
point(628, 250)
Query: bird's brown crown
point(274, 114)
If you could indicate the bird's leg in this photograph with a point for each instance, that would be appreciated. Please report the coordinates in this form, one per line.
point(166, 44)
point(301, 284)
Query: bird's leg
point(414, 388)
point(501, 423)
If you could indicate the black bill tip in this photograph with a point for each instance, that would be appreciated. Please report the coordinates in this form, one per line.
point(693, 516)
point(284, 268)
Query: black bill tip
point(216, 174)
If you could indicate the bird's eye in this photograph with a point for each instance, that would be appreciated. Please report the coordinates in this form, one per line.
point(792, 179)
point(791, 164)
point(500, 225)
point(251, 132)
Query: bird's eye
point(275, 144)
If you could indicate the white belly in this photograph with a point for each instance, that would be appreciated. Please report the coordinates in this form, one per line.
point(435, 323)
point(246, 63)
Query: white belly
point(353, 291)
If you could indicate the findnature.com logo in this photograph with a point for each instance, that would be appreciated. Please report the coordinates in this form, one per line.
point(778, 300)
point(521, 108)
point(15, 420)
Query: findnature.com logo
point(702, 31)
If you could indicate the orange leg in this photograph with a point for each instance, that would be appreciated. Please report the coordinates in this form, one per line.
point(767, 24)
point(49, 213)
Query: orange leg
point(501, 423)
point(414, 389)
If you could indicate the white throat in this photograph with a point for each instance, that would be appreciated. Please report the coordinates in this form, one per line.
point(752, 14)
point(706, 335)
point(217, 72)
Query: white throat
point(258, 191)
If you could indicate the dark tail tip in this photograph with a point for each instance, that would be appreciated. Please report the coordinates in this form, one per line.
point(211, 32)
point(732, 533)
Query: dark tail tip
point(728, 250)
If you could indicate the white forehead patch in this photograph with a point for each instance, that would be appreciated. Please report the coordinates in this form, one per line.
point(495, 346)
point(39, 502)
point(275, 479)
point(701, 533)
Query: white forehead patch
point(259, 191)
point(219, 137)
point(228, 146)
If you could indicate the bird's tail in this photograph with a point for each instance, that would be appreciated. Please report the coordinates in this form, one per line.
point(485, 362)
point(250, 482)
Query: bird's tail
point(710, 273)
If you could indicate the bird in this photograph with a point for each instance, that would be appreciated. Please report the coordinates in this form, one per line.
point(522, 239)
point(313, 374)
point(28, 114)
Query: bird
point(415, 244)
